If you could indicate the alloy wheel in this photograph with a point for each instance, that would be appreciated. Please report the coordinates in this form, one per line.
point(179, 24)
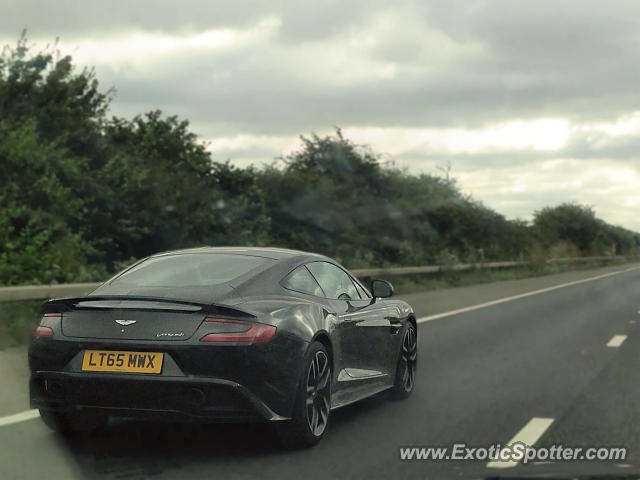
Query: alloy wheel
point(408, 358)
point(318, 393)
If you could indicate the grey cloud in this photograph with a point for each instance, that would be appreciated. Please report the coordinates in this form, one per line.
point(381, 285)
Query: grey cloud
point(602, 145)
point(77, 17)
point(578, 60)
point(598, 147)
point(302, 19)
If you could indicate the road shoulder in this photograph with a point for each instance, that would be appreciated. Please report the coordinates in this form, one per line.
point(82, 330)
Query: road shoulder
point(14, 373)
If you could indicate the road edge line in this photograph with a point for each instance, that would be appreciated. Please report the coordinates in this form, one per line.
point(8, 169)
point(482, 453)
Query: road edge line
point(19, 417)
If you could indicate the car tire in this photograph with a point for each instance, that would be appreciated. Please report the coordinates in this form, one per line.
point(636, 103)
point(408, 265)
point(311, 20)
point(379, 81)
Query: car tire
point(407, 364)
point(311, 411)
point(68, 422)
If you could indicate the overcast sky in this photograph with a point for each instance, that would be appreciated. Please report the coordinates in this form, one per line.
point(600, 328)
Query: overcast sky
point(532, 103)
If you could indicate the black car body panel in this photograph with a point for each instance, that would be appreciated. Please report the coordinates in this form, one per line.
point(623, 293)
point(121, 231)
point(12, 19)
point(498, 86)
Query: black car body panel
point(218, 381)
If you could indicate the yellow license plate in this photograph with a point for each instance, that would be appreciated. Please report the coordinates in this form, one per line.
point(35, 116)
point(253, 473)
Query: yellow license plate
point(133, 362)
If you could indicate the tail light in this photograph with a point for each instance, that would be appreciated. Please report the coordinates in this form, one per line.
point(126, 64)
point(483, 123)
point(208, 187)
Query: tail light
point(41, 331)
point(44, 331)
point(255, 332)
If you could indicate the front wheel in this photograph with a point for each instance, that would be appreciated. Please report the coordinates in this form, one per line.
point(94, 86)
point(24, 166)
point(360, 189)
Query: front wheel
point(407, 363)
point(313, 402)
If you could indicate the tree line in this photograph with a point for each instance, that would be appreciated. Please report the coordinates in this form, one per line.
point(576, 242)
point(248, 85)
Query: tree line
point(83, 193)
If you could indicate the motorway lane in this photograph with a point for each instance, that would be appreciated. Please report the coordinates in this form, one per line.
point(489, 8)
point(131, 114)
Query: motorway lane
point(606, 413)
point(483, 375)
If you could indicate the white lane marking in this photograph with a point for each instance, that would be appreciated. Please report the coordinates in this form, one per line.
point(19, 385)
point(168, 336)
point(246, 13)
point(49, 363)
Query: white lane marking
point(529, 435)
point(19, 417)
point(617, 340)
point(522, 295)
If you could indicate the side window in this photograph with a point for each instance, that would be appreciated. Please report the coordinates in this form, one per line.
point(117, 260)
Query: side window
point(301, 280)
point(333, 280)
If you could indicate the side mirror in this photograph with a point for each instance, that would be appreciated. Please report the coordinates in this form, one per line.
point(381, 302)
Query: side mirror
point(381, 289)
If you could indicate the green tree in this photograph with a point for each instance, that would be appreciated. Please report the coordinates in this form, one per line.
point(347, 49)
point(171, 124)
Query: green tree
point(164, 192)
point(36, 243)
point(81, 193)
point(568, 222)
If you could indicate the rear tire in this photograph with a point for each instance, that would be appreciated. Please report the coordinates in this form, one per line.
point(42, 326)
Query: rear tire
point(312, 407)
point(69, 422)
point(407, 364)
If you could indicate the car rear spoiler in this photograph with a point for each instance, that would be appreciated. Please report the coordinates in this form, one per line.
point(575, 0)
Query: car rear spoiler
point(68, 304)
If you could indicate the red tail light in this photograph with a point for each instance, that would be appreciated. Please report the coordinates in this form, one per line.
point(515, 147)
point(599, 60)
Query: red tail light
point(255, 332)
point(42, 331)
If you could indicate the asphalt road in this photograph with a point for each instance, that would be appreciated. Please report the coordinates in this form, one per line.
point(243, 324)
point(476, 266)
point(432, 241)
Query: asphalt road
point(484, 374)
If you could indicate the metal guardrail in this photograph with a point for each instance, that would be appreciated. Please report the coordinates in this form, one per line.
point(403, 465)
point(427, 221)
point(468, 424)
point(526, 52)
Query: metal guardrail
point(589, 259)
point(43, 292)
point(367, 272)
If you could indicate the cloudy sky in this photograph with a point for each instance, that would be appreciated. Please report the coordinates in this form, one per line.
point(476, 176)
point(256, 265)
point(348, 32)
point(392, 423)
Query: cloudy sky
point(531, 103)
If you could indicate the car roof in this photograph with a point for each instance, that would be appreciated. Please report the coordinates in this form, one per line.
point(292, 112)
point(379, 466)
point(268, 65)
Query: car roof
point(267, 252)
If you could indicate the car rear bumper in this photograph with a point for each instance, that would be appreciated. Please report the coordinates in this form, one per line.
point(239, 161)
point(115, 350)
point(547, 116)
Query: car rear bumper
point(129, 395)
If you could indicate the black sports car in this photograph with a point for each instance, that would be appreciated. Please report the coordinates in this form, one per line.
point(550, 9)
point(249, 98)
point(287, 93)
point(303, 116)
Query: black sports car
point(222, 334)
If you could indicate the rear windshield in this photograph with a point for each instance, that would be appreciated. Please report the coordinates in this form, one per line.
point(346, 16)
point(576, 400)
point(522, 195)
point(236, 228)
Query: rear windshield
point(188, 269)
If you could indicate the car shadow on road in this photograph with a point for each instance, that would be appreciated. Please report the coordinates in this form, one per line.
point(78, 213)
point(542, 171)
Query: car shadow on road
point(137, 449)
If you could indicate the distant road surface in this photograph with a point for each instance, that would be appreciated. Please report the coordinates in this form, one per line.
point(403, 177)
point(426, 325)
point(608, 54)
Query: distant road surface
point(552, 358)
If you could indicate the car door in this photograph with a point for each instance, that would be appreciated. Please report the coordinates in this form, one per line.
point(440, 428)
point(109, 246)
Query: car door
point(363, 330)
point(388, 321)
